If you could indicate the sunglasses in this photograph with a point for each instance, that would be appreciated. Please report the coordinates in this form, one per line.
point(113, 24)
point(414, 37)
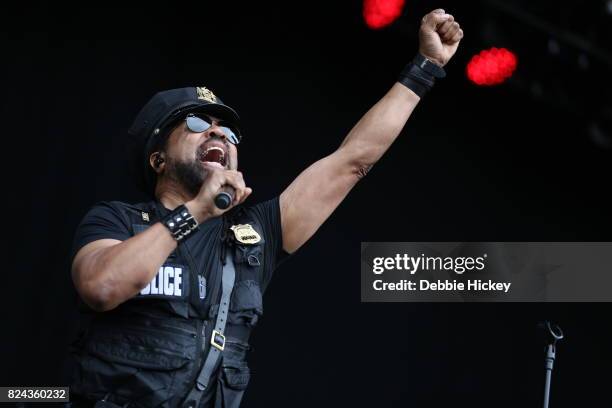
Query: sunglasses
point(199, 124)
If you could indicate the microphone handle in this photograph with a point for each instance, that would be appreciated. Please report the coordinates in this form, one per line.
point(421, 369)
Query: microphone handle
point(224, 197)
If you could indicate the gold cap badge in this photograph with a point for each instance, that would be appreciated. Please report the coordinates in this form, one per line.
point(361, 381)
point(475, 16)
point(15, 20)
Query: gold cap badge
point(246, 234)
point(206, 94)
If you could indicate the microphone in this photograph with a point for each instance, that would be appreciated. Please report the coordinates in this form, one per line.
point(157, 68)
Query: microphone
point(224, 197)
point(550, 332)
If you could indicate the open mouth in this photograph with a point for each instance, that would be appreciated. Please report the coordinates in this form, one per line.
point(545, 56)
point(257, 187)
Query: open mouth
point(214, 155)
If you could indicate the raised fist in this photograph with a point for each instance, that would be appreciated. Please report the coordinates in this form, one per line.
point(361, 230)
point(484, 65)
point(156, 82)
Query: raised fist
point(439, 36)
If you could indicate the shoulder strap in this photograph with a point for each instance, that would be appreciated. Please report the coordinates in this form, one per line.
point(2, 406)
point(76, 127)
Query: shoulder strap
point(217, 338)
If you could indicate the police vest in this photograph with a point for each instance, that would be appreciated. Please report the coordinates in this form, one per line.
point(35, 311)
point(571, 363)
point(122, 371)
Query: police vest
point(149, 350)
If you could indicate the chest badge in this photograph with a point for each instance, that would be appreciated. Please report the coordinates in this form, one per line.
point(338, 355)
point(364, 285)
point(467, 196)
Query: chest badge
point(246, 234)
point(145, 216)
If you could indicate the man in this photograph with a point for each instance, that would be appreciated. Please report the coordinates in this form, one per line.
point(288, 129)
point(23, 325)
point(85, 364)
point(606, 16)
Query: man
point(175, 285)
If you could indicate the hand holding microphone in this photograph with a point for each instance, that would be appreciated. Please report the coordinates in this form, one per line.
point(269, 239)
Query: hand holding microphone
point(232, 193)
point(224, 197)
point(222, 189)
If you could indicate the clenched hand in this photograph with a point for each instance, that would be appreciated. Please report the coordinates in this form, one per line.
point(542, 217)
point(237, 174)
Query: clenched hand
point(439, 36)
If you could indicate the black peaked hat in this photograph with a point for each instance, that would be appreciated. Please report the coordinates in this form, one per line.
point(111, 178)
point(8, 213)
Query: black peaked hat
point(167, 107)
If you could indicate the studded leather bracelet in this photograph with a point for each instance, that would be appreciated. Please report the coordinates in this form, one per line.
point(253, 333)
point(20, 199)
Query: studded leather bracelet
point(180, 223)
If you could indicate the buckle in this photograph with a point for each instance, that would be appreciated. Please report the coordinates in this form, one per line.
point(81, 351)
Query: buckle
point(218, 343)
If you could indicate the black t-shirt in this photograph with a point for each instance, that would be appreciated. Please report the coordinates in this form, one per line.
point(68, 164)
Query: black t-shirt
point(155, 334)
point(115, 220)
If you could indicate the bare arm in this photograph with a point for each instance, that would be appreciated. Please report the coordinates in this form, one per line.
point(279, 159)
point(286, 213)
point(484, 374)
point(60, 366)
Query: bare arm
point(107, 272)
point(317, 191)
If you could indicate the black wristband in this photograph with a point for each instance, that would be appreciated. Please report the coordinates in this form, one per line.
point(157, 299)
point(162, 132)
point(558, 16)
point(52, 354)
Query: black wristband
point(180, 223)
point(428, 66)
point(416, 87)
point(420, 75)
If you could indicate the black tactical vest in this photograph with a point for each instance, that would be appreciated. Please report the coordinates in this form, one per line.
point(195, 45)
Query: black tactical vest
point(148, 351)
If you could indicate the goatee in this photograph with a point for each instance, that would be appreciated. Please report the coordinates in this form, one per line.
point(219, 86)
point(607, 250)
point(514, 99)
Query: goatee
point(189, 174)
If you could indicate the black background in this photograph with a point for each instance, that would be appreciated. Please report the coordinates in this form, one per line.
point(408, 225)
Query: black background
point(510, 163)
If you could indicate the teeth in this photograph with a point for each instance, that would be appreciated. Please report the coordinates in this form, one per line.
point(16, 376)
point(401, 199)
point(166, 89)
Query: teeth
point(215, 148)
point(214, 164)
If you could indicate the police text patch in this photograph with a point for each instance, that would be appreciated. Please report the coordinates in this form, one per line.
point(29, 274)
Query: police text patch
point(171, 281)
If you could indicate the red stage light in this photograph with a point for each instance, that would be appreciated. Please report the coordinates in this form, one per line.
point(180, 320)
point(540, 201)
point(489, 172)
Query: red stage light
point(381, 13)
point(491, 67)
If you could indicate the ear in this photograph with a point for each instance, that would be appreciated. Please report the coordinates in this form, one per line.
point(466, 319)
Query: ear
point(157, 161)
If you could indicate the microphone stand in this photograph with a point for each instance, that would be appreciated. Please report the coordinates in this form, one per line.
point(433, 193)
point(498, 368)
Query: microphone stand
point(554, 334)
